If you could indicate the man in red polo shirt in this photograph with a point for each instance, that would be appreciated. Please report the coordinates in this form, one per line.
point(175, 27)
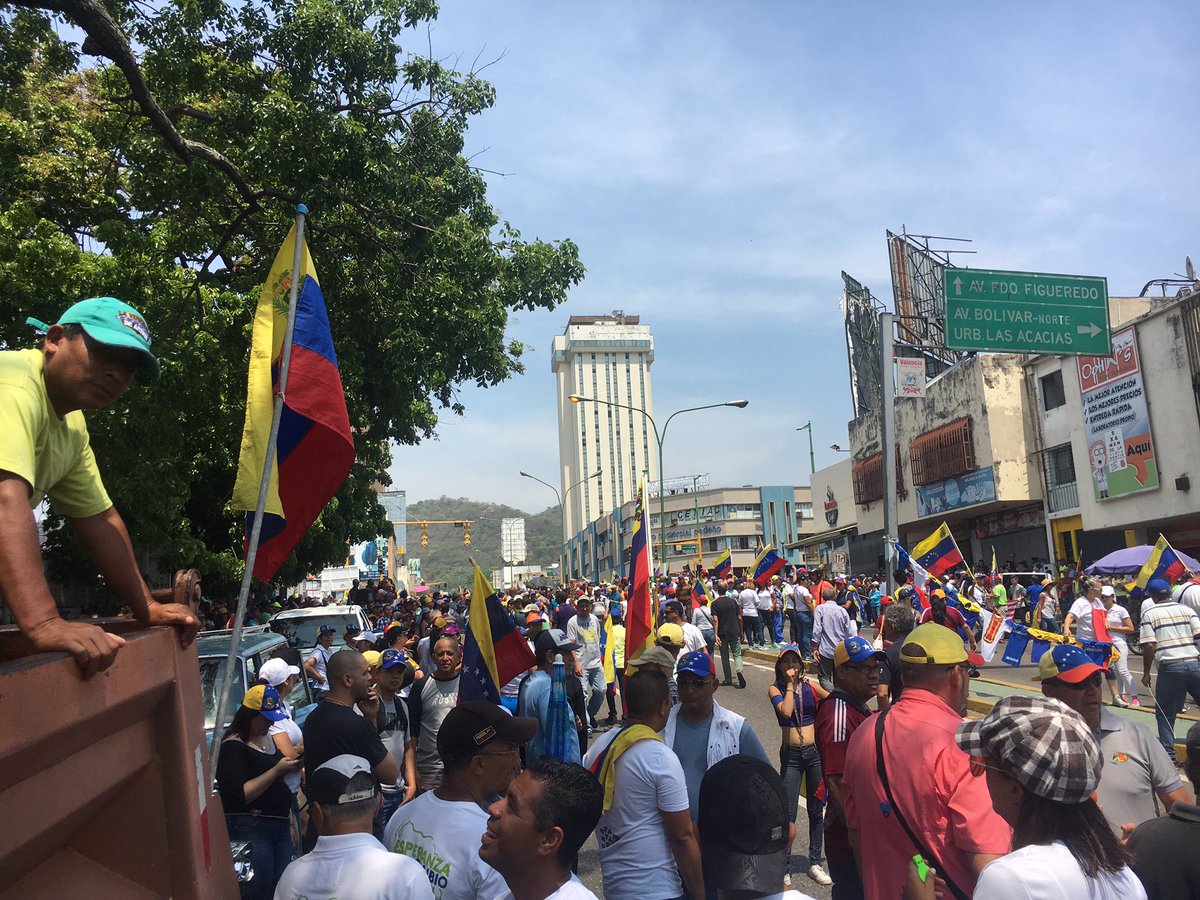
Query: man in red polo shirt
point(946, 809)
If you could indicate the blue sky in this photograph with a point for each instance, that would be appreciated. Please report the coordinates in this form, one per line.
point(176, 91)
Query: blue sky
point(720, 165)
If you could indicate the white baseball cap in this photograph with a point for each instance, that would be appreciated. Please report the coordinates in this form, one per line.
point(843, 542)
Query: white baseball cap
point(276, 671)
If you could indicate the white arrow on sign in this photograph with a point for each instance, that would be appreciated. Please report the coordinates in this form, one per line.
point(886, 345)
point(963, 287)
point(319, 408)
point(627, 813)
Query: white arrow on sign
point(957, 282)
point(1091, 329)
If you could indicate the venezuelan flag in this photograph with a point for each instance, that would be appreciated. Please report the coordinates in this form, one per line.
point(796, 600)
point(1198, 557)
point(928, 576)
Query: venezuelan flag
point(700, 593)
point(1163, 562)
point(938, 553)
point(494, 653)
point(766, 564)
point(314, 449)
point(723, 565)
point(639, 620)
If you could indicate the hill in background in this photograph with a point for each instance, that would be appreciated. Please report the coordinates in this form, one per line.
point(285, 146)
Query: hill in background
point(446, 559)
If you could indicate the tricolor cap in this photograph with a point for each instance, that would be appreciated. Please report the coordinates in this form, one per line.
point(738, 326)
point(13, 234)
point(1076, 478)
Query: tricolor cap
point(697, 662)
point(856, 650)
point(343, 779)
point(389, 659)
point(265, 699)
point(114, 323)
point(1066, 662)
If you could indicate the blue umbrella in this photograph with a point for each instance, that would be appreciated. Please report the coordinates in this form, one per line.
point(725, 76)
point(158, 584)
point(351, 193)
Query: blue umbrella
point(561, 719)
point(1131, 559)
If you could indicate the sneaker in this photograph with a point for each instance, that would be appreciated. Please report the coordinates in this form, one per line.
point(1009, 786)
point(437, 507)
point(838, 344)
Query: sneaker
point(1120, 701)
point(817, 874)
point(787, 880)
point(1134, 701)
point(741, 680)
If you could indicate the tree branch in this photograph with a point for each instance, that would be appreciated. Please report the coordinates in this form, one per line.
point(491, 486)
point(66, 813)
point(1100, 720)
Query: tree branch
point(104, 38)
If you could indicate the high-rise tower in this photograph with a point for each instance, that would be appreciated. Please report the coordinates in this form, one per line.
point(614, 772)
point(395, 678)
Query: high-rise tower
point(604, 358)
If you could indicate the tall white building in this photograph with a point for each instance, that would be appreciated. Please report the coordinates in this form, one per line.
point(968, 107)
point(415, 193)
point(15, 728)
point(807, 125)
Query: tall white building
point(604, 358)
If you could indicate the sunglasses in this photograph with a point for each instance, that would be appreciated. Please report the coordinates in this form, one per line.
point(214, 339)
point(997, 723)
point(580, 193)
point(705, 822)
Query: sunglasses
point(1092, 681)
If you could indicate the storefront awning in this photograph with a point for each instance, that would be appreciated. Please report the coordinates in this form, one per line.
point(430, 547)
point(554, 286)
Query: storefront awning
point(811, 539)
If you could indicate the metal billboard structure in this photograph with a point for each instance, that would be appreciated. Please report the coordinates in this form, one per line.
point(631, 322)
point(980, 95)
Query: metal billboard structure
point(861, 311)
point(512, 540)
point(920, 296)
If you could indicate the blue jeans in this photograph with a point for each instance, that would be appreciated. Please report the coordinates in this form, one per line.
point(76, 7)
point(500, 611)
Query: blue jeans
point(1176, 678)
point(594, 687)
point(391, 803)
point(802, 627)
point(777, 627)
point(270, 851)
point(847, 883)
point(798, 764)
point(754, 630)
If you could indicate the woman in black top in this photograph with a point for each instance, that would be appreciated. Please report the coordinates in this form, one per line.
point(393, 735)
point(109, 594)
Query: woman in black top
point(257, 802)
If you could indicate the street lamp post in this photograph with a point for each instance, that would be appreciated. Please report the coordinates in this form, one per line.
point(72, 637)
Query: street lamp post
point(562, 516)
point(812, 457)
point(659, 437)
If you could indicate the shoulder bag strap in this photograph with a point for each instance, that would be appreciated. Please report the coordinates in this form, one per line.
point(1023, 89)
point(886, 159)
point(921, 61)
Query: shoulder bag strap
point(891, 802)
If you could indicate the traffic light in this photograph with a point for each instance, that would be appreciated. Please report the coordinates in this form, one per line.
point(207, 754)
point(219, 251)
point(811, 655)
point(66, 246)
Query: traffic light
point(424, 535)
point(466, 534)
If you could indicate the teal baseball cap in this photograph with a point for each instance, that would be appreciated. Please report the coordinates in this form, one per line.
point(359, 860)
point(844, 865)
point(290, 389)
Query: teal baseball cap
point(114, 323)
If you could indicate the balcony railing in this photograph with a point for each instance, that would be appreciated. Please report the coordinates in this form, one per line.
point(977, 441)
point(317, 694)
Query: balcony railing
point(1063, 496)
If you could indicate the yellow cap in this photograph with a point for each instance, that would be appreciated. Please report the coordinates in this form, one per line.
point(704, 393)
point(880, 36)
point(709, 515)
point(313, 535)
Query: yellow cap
point(374, 658)
point(670, 635)
point(932, 644)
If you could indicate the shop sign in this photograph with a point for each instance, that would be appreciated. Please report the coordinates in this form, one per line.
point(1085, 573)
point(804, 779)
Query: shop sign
point(955, 493)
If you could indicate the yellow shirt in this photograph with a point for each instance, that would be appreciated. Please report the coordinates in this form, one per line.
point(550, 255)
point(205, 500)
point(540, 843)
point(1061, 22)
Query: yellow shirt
point(52, 455)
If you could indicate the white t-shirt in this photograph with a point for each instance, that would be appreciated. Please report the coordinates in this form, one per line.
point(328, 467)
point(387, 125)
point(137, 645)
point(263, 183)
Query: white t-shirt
point(693, 638)
point(296, 736)
point(320, 657)
point(573, 889)
point(1085, 626)
point(1117, 614)
point(1050, 872)
point(764, 600)
point(352, 867)
point(749, 601)
point(443, 836)
point(635, 858)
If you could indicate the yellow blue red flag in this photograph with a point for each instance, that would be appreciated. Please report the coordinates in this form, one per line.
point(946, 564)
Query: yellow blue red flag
point(938, 553)
point(314, 448)
point(494, 653)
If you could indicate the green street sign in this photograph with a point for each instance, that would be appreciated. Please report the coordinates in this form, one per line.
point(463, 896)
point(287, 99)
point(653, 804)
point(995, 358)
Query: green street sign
point(1026, 312)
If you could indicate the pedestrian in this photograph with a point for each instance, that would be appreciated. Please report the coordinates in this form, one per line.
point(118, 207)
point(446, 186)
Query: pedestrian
point(857, 668)
point(1081, 620)
point(1041, 765)
point(87, 360)
point(1138, 769)
point(699, 730)
point(285, 733)
point(647, 841)
point(1164, 849)
point(429, 702)
point(898, 623)
point(693, 637)
point(392, 724)
point(584, 629)
point(250, 779)
point(702, 619)
point(479, 744)
point(908, 786)
point(949, 616)
point(1168, 633)
point(534, 696)
point(348, 862)
point(727, 619)
point(1122, 686)
point(1046, 613)
point(764, 602)
point(663, 660)
point(802, 616)
point(318, 662)
point(794, 698)
point(746, 832)
point(535, 831)
point(748, 597)
point(616, 653)
point(831, 626)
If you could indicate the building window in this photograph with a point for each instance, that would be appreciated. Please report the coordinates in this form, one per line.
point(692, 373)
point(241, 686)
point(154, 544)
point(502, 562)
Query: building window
point(1053, 395)
point(804, 510)
point(942, 453)
point(868, 480)
point(1061, 489)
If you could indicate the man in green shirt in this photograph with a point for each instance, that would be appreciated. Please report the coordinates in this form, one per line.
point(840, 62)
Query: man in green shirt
point(87, 361)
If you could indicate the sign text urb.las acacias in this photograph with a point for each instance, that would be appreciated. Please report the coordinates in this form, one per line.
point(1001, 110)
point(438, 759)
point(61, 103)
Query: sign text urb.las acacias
point(1026, 312)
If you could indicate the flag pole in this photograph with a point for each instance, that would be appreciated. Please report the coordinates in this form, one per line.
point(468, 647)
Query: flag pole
point(264, 485)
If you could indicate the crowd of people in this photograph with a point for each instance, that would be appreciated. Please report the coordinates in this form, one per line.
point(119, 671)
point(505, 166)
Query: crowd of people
point(418, 791)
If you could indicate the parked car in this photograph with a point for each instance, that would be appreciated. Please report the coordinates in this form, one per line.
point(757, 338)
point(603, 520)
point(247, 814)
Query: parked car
point(301, 626)
point(257, 645)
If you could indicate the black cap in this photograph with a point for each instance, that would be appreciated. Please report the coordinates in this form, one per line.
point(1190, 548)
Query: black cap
point(743, 826)
point(471, 726)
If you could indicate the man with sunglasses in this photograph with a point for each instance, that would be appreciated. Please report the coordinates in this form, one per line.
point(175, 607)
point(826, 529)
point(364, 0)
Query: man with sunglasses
point(908, 786)
point(88, 360)
point(700, 730)
point(856, 671)
point(1136, 767)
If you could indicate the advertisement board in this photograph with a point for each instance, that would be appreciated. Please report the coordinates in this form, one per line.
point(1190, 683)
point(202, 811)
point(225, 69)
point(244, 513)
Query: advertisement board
point(910, 377)
point(955, 493)
point(1116, 421)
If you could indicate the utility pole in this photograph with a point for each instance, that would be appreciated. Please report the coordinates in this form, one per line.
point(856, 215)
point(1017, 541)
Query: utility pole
point(887, 439)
